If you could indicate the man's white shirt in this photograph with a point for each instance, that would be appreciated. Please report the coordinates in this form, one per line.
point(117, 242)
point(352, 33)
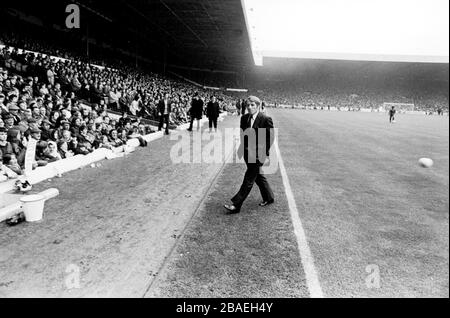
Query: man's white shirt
point(253, 118)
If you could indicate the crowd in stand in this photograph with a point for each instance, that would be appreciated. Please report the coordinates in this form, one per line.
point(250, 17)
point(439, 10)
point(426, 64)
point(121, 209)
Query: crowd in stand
point(60, 124)
point(319, 94)
point(63, 104)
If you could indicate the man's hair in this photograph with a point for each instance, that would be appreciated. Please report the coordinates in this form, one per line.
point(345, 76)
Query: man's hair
point(254, 99)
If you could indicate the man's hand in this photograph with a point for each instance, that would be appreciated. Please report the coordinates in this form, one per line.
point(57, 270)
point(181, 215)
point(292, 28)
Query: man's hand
point(240, 152)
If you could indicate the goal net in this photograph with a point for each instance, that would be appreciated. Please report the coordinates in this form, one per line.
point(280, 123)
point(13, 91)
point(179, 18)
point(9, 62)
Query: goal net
point(400, 107)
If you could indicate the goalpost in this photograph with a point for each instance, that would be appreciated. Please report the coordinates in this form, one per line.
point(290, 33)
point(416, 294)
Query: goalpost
point(400, 107)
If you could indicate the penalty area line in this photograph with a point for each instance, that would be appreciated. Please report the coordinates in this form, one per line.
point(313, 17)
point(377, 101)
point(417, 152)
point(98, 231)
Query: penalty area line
point(312, 279)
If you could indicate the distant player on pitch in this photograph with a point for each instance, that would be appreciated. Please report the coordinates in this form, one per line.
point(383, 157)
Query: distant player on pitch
point(392, 112)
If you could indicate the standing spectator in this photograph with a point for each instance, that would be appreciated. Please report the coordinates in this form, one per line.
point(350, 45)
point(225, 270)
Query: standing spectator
point(238, 107)
point(212, 112)
point(134, 107)
point(51, 75)
point(164, 110)
point(113, 99)
point(196, 111)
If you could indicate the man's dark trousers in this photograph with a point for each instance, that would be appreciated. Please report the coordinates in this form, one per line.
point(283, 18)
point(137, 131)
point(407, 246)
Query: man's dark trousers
point(213, 122)
point(253, 175)
point(164, 119)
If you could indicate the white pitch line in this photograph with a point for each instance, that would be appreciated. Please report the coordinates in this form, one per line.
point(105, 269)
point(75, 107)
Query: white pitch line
point(312, 279)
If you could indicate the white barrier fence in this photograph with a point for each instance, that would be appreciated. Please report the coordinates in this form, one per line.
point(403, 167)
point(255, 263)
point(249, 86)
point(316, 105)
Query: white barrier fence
point(60, 167)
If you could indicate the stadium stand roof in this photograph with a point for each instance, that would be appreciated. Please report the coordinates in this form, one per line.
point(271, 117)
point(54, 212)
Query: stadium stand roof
point(203, 34)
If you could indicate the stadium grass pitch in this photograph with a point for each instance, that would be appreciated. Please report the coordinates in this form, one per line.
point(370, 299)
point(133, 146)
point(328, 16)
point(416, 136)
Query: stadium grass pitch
point(366, 205)
point(376, 222)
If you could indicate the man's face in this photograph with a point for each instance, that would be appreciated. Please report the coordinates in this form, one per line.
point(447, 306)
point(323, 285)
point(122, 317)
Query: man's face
point(36, 136)
point(23, 106)
point(51, 147)
point(36, 110)
point(43, 111)
point(9, 121)
point(66, 134)
point(3, 136)
point(13, 160)
point(252, 107)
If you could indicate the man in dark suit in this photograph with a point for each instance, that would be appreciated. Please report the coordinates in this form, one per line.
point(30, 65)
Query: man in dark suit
point(244, 106)
point(212, 112)
point(164, 109)
point(257, 137)
point(196, 111)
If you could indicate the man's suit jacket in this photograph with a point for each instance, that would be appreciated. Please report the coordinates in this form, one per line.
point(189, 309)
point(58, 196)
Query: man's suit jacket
point(212, 110)
point(161, 106)
point(254, 145)
point(196, 110)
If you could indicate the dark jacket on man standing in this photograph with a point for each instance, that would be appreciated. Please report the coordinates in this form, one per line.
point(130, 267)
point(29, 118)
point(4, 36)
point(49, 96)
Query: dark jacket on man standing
point(196, 110)
point(161, 106)
point(212, 110)
point(256, 150)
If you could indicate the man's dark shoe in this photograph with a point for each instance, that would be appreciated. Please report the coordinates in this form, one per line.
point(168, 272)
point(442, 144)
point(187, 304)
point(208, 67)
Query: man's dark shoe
point(264, 203)
point(232, 209)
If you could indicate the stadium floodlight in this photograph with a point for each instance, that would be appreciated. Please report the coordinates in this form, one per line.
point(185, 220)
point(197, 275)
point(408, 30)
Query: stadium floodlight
point(211, 87)
point(382, 30)
point(240, 90)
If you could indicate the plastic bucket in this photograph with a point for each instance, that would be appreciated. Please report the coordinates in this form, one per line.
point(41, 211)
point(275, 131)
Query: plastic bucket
point(33, 207)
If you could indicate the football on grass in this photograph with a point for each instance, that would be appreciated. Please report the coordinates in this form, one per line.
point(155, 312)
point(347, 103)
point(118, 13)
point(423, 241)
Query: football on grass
point(426, 162)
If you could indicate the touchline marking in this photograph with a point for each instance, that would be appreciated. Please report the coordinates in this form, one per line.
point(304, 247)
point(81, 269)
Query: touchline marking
point(312, 279)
